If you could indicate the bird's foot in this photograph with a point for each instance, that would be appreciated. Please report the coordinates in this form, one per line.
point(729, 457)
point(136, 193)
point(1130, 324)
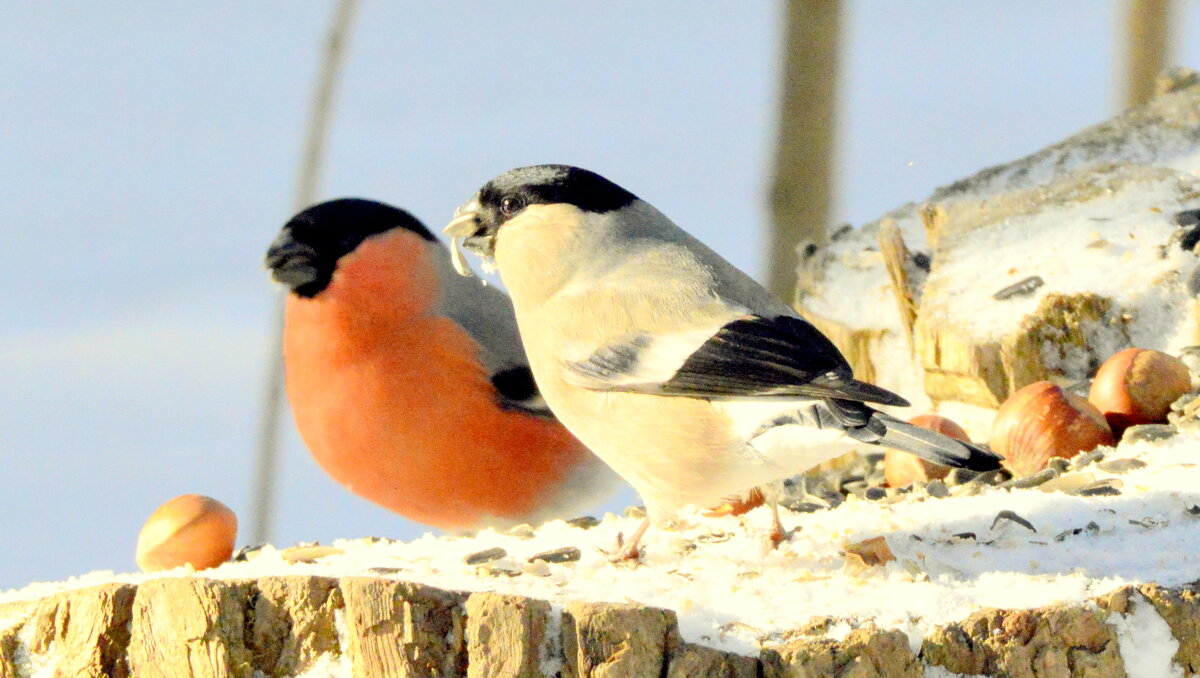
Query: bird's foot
point(777, 535)
point(631, 552)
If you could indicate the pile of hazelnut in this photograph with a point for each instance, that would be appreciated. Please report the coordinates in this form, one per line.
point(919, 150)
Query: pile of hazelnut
point(1135, 386)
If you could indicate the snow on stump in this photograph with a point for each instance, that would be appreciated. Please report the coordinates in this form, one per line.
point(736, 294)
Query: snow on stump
point(1034, 270)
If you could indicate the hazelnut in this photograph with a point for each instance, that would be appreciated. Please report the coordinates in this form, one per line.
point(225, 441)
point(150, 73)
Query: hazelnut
point(1137, 386)
point(1041, 421)
point(190, 529)
point(904, 468)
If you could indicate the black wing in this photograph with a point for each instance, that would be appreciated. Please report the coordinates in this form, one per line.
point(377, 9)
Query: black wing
point(518, 390)
point(761, 357)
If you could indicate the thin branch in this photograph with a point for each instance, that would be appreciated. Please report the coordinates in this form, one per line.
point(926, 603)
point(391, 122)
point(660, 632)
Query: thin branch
point(308, 178)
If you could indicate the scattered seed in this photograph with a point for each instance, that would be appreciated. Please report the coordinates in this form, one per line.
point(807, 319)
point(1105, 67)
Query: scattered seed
point(522, 531)
point(584, 522)
point(937, 489)
point(922, 261)
point(994, 477)
point(969, 489)
point(248, 553)
point(1107, 487)
point(1062, 536)
point(958, 476)
point(308, 554)
point(1148, 433)
point(876, 493)
point(1193, 283)
point(1034, 480)
point(1079, 388)
point(1193, 510)
point(1069, 482)
point(485, 556)
point(385, 570)
point(965, 535)
point(1013, 517)
point(1181, 403)
point(1060, 464)
point(857, 488)
point(730, 627)
point(1188, 218)
point(1085, 459)
point(566, 554)
point(717, 537)
point(805, 507)
point(486, 571)
point(1121, 465)
point(841, 232)
point(1020, 288)
point(537, 568)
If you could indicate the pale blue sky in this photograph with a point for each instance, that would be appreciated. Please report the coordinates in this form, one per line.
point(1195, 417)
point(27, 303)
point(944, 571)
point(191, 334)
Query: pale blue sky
point(148, 150)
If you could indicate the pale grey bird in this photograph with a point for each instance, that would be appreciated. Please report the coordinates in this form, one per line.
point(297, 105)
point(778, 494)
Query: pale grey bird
point(686, 376)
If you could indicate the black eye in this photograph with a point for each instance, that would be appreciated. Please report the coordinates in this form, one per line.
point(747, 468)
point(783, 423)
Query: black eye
point(511, 205)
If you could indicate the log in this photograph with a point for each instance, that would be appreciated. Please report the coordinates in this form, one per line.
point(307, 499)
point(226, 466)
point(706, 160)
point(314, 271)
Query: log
point(282, 626)
point(983, 323)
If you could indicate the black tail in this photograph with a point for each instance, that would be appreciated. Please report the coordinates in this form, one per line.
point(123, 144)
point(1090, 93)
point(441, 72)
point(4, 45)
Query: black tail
point(866, 424)
point(933, 446)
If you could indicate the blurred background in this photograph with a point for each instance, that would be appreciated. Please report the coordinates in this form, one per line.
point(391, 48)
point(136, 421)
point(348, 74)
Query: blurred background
point(149, 153)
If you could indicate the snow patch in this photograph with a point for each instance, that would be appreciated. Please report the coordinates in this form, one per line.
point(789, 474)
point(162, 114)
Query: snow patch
point(1147, 646)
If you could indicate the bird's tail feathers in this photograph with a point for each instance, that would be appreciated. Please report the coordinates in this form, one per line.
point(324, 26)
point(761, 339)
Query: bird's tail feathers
point(935, 447)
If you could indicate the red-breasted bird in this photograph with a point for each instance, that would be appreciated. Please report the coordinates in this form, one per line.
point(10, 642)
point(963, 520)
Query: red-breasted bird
point(408, 383)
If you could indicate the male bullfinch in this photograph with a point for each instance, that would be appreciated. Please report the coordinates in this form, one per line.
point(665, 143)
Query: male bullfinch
point(408, 382)
point(676, 368)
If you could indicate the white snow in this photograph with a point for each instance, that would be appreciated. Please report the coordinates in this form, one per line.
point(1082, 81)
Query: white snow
point(1107, 241)
point(733, 592)
point(1145, 641)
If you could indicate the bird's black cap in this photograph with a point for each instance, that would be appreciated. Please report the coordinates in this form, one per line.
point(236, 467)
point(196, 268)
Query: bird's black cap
point(307, 250)
point(506, 195)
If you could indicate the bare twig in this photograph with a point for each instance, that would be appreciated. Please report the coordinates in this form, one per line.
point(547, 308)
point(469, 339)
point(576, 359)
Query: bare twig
point(308, 178)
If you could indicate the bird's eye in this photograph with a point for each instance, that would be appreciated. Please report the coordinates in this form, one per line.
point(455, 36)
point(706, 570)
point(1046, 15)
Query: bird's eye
point(511, 205)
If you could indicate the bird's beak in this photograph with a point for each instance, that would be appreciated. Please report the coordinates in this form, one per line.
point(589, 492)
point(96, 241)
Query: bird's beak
point(467, 232)
point(291, 262)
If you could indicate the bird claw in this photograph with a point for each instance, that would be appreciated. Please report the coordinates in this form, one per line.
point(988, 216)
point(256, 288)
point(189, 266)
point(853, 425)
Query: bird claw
point(778, 535)
point(633, 554)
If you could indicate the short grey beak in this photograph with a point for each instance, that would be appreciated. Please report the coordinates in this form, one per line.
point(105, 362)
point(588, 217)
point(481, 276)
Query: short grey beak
point(466, 220)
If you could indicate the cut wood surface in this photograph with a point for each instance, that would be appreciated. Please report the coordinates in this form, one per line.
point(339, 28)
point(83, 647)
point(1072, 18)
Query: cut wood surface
point(282, 626)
